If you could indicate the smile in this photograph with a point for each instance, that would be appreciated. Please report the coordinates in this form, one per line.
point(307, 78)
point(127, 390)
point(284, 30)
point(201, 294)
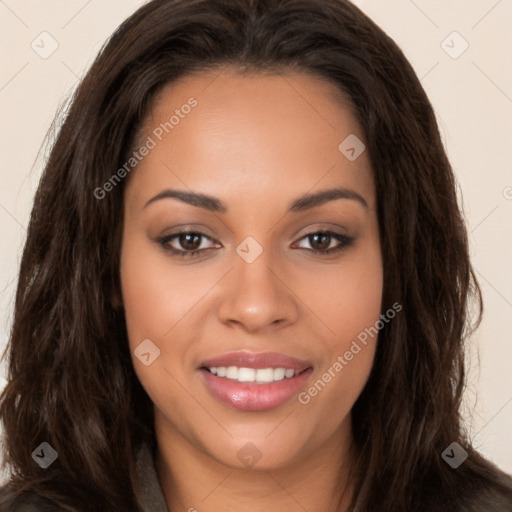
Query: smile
point(254, 382)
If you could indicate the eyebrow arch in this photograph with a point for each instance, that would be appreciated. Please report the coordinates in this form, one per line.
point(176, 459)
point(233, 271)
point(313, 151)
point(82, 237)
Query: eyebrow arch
point(301, 204)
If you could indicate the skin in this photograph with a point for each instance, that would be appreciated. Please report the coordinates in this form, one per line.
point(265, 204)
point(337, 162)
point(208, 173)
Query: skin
point(256, 143)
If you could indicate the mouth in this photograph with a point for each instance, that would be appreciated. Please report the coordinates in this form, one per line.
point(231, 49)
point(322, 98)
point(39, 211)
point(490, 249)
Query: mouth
point(254, 382)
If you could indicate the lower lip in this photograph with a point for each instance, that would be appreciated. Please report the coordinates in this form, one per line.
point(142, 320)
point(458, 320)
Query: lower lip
point(249, 396)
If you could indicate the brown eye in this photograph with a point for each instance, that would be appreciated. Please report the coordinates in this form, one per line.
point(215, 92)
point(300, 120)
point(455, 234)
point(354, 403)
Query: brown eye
point(189, 241)
point(185, 243)
point(321, 241)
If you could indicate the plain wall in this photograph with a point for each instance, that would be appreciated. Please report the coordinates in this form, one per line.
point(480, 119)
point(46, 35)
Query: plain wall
point(471, 94)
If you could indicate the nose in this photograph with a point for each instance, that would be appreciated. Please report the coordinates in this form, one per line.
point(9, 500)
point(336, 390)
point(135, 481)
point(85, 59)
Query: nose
point(256, 297)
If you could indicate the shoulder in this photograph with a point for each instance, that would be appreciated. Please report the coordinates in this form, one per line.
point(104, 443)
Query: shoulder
point(479, 487)
point(27, 502)
point(492, 495)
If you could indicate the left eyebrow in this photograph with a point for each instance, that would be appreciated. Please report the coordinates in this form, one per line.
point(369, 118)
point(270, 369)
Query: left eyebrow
point(319, 198)
point(301, 204)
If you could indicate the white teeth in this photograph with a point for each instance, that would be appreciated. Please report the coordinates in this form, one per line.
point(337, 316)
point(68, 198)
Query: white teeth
point(279, 373)
point(265, 375)
point(246, 375)
point(232, 372)
point(260, 375)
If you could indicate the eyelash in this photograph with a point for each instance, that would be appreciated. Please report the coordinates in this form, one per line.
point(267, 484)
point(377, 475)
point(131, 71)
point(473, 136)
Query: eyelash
point(345, 242)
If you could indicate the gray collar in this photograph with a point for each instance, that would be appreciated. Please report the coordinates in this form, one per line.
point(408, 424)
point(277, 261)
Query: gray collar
point(151, 496)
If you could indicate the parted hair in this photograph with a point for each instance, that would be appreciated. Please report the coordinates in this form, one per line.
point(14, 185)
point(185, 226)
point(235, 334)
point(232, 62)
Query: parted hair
point(71, 382)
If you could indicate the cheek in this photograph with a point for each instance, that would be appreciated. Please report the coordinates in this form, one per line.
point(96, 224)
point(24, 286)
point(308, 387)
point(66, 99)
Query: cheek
point(153, 305)
point(349, 302)
point(154, 302)
point(347, 296)
point(157, 296)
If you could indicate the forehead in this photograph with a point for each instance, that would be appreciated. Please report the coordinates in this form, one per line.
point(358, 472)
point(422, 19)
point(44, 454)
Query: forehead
point(251, 132)
point(224, 93)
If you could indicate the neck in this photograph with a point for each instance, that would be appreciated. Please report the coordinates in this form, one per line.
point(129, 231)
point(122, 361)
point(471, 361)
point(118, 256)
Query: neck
point(192, 481)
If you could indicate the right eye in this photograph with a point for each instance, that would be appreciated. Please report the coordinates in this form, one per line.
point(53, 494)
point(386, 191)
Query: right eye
point(190, 241)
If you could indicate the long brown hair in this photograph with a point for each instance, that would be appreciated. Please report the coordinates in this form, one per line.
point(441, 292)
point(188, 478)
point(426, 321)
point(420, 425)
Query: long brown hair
point(70, 377)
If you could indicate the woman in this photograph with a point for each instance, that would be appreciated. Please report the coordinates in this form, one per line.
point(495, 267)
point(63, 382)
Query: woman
point(246, 279)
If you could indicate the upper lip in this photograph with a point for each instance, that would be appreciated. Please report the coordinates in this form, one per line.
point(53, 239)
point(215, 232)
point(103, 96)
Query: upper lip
point(244, 359)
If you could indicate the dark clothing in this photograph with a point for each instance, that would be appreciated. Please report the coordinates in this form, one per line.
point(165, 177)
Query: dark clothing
point(474, 499)
point(152, 497)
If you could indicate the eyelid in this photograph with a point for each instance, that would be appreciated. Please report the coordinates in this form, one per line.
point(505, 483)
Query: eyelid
point(323, 227)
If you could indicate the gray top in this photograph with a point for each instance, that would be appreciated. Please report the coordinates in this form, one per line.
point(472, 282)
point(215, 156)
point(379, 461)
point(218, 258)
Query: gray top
point(152, 496)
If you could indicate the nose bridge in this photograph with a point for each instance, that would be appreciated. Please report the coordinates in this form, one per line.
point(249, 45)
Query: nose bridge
point(256, 295)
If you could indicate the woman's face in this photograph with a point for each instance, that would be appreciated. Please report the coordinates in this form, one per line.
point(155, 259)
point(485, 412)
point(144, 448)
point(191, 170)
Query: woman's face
point(245, 339)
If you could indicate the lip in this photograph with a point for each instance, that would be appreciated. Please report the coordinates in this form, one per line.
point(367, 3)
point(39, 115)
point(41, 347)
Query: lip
point(257, 360)
point(251, 396)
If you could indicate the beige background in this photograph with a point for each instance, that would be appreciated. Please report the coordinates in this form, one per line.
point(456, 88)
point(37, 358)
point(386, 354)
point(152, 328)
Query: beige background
point(472, 96)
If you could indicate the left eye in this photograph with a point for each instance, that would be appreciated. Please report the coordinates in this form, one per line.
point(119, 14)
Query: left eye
point(323, 239)
point(191, 242)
